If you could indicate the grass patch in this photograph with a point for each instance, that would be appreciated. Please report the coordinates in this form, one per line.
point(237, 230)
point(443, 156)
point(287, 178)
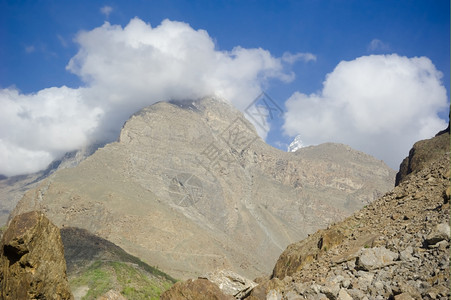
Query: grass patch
point(133, 281)
point(124, 256)
point(97, 277)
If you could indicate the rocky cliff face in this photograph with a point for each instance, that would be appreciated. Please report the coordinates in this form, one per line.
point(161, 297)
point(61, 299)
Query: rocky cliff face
point(190, 187)
point(32, 260)
point(395, 248)
point(422, 153)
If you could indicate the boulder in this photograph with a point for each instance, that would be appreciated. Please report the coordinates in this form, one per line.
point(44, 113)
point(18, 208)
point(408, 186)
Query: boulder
point(440, 233)
point(32, 260)
point(230, 283)
point(375, 258)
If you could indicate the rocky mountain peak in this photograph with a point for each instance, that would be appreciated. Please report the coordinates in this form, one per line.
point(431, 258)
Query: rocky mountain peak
point(295, 144)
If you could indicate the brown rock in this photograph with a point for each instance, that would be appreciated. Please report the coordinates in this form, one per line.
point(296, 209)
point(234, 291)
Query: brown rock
point(422, 153)
point(231, 283)
point(32, 260)
point(303, 252)
point(273, 286)
point(403, 296)
point(199, 289)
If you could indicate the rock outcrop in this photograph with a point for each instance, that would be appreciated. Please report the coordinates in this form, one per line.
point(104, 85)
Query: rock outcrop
point(395, 248)
point(422, 153)
point(192, 187)
point(32, 260)
point(198, 289)
point(231, 283)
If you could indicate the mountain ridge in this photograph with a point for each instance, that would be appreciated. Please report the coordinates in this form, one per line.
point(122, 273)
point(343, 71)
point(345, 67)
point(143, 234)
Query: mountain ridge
point(157, 193)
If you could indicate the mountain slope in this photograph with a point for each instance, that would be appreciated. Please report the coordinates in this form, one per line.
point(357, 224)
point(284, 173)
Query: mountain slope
point(96, 266)
point(12, 189)
point(396, 247)
point(190, 187)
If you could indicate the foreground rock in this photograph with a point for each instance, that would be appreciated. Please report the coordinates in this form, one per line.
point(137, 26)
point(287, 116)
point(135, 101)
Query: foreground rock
point(199, 289)
point(32, 260)
point(192, 187)
point(395, 248)
point(231, 283)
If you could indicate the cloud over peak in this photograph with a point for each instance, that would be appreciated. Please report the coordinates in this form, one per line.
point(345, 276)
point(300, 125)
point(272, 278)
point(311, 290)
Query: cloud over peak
point(379, 104)
point(125, 69)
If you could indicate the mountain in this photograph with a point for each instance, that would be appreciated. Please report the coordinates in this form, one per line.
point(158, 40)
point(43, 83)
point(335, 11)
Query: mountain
point(295, 144)
point(13, 188)
point(395, 248)
point(190, 187)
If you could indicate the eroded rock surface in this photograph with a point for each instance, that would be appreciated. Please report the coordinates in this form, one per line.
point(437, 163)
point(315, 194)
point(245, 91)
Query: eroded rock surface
point(32, 260)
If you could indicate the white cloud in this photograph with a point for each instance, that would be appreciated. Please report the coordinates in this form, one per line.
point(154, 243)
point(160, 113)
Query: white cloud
point(62, 41)
point(377, 45)
point(106, 10)
point(124, 70)
point(30, 49)
point(292, 58)
point(379, 104)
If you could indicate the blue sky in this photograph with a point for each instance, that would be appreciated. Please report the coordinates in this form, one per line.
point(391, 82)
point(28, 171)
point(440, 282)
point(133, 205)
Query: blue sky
point(38, 39)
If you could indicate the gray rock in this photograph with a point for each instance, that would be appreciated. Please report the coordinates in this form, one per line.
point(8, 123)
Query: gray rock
point(356, 294)
point(274, 295)
point(375, 258)
point(440, 233)
point(331, 289)
point(231, 283)
point(292, 296)
point(406, 254)
point(343, 295)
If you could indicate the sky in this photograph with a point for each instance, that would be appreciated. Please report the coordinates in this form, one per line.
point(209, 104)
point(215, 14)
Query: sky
point(370, 74)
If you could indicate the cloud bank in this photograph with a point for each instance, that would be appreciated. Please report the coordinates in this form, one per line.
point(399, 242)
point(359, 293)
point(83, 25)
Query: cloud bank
point(379, 104)
point(124, 70)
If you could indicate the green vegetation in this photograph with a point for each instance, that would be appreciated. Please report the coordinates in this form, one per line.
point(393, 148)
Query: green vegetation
point(132, 280)
point(97, 277)
point(124, 256)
